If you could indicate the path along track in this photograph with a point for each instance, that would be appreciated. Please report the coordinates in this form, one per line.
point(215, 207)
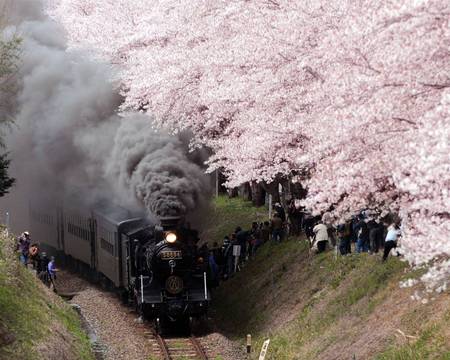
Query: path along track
point(176, 348)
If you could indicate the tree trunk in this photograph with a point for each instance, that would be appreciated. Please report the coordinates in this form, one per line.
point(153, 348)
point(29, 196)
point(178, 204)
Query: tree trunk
point(245, 192)
point(272, 189)
point(258, 193)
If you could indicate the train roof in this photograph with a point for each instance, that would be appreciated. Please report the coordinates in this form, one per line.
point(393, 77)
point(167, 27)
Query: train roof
point(138, 230)
point(116, 214)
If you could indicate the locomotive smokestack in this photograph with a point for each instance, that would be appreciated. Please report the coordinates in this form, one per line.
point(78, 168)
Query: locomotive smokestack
point(170, 222)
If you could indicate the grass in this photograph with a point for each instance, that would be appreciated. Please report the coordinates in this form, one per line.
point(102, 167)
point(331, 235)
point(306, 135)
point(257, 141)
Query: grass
point(308, 304)
point(227, 214)
point(431, 344)
point(29, 314)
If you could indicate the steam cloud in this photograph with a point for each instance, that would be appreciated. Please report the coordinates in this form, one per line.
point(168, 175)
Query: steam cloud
point(71, 143)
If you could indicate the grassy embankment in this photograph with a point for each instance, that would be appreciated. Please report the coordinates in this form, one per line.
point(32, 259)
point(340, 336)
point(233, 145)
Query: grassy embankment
point(328, 307)
point(226, 214)
point(35, 323)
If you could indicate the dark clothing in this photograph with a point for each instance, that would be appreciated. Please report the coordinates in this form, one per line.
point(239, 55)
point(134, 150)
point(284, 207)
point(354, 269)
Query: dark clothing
point(308, 222)
point(375, 237)
point(242, 238)
point(277, 229)
point(228, 260)
point(362, 230)
point(388, 246)
point(214, 271)
point(362, 244)
point(295, 217)
point(344, 245)
point(265, 233)
point(277, 223)
point(321, 246)
point(277, 235)
point(280, 211)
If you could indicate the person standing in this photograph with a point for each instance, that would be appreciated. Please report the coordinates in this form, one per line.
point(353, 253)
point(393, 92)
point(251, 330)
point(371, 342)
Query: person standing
point(374, 236)
point(265, 232)
point(277, 228)
point(213, 270)
point(391, 239)
point(34, 255)
point(344, 239)
point(242, 237)
point(51, 268)
point(320, 237)
point(227, 251)
point(280, 211)
point(24, 242)
point(294, 218)
point(362, 243)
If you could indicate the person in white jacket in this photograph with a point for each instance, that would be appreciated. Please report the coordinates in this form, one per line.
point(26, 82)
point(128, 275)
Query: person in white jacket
point(320, 237)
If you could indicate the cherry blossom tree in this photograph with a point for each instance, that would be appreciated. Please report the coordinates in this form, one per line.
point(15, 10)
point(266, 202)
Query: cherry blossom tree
point(353, 93)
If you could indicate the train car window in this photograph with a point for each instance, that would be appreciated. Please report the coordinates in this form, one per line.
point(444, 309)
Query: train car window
point(78, 231)
point(108, 247)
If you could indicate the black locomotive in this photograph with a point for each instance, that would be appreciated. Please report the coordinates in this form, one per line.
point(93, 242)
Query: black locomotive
point(157, 267)
point(169, 275)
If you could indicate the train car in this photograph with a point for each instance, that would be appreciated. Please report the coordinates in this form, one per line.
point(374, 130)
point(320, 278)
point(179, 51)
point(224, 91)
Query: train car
point(156, 267)
point(46, 227)
point(79, 239)
point(110, 246)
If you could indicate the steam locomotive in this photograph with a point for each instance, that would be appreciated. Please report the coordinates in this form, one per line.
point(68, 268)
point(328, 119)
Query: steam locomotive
point(157, 267)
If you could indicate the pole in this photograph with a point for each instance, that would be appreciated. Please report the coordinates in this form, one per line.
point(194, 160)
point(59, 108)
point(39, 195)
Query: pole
point(142, 290)
point(270, 207)
point(217, 183)
point(204, 284)
point(7, 223)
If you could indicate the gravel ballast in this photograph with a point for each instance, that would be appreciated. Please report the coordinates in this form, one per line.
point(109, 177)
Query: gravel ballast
point(116, 327)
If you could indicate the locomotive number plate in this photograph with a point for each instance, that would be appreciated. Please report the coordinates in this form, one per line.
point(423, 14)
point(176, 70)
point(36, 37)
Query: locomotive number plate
point(171, 255)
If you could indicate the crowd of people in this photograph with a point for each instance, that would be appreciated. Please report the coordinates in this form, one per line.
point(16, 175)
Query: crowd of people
point(31, 256)
point(360, 234)
point(365, 233)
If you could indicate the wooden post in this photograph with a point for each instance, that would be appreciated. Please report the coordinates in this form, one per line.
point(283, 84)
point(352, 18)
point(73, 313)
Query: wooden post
point(249, 344)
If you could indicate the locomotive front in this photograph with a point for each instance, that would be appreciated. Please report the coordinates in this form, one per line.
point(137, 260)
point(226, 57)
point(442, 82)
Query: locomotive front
point(176, 283)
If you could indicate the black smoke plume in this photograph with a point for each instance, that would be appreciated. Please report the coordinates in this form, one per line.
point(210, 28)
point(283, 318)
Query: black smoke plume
point(71, 145)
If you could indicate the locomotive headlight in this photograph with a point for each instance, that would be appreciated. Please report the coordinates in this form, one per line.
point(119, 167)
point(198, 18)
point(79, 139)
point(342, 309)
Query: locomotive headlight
point(171, 237)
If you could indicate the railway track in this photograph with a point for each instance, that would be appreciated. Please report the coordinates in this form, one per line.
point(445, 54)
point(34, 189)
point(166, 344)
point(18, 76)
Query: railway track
point(176, 348)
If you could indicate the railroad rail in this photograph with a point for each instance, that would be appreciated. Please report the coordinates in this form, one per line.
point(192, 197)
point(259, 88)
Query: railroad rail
point(176, 348)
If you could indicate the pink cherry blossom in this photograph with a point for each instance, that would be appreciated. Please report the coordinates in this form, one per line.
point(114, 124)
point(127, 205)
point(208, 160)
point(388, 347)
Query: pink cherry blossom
point(353, 93)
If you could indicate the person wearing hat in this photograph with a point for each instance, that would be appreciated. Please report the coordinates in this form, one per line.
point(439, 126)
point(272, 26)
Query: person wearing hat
point(24, 247)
